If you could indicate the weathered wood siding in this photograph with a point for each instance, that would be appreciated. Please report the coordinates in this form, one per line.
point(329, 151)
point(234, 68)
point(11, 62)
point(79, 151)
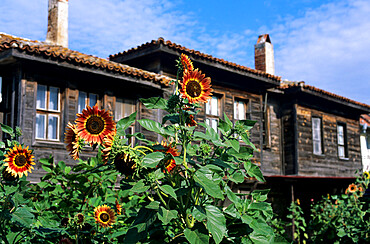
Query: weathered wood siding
point(327, 164)
point(289, 134)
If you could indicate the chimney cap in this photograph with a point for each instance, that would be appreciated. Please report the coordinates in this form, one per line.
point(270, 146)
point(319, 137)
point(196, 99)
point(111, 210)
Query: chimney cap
point(263, 38)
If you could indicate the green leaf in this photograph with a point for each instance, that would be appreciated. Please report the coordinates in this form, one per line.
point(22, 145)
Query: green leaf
point(139, 187)
point(227, 120)
point(151, 160)
point(23, 216)
point(7, 129)
point(199, 213)
point(244, 153)
point(197, 235)
point(2, 144)
point(253, 171)
point(173, 118)
point(10, 189)
point(168, 190)
point(153, 205)
point(237, 177)
point(201, 135)
point(248, 142)
point(166, 216)
point(234, 143)
point(247, 124)
point(216, 223)
point(124, 123)
point(208, 185)
point(223, 126)
point(152, 126)
point(154, 103)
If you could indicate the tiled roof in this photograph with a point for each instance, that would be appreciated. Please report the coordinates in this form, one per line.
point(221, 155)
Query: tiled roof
point(290, 84)
point(197, 54)
point(48, 50)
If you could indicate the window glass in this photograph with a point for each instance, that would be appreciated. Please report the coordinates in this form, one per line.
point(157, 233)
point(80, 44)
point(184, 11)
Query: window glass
point(82, 96)
point(53, 127)
point(124, 107)
point(40, 126)
point(41, 97)
point(239, 110)
point(316, 135)
point(93, 99)
point(341, 152)
point(54, 98)
point(368, 141)
point(340, 135)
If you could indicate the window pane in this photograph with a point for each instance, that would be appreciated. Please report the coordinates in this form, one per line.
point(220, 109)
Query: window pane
point(214, 124)
point(341, 151)
point(241, 110)
point(41, 97)
point(40, 126)
point(235, 110)
point(53, 127)
point(128, 108)
point(317, 147)
point(118, 110)
point(214, 105)
point(93, 99)
point(54, 98)
point(368, 141)
point(81, 101)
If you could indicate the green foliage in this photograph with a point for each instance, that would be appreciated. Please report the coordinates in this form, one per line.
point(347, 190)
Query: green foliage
point(170, 192)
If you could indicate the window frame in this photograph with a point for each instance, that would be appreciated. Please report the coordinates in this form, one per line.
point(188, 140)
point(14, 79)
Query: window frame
point(320, 133)
point(46, 112)
point(343, 145)
point(210, 116)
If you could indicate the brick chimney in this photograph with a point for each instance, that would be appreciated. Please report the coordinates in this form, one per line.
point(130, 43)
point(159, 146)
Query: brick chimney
point(58, 22)
point(264, 55)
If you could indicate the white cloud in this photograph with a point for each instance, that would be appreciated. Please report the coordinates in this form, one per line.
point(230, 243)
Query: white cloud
point(327, 48)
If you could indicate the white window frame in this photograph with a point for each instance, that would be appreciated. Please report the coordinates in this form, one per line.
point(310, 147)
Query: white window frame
point(213, 114)
point(319, 139)
point(46, 112)
point(342, 145)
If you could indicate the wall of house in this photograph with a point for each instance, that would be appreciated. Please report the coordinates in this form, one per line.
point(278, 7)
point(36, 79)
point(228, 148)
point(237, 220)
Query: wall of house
point(327, 164)
point(288, 118)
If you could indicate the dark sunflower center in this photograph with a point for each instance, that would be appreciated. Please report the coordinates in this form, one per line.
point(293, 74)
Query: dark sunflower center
point(193, 88)
point(95, 125)
point(20, 160)
point(104, 217)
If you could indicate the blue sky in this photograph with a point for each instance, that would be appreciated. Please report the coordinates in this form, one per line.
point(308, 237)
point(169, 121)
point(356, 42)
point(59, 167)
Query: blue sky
point(324, 43)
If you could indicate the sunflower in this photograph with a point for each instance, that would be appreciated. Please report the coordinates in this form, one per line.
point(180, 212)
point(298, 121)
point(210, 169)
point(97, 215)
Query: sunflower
point(80, 219)
point(19, 161)
point(298, 202)
point(94, 124)
point(73, 141)
point(195, 86)
point(191, 121)
point(8, 176)
point(352, 188)
point(367, 175)
point(104, 216)
point(107, 144)
point(118, 208)
point(186, 63)
point(125, 163)
point(169, 164)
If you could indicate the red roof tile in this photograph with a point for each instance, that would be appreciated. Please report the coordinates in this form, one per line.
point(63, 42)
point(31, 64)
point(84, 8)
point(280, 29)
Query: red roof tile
point(289, 84)
point(48, 50)
point(197, 54)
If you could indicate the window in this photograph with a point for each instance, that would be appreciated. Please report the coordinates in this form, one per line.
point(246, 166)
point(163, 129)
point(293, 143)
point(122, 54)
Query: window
point(212, 112)
point(85, 99)
point(342, 140)
point(47, 113)
point(266, 135)
point(317, 136)
point(240, 110)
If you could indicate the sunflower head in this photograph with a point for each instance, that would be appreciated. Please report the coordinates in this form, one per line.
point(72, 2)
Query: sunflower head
point(94, 124)
point(80, 219)
point(366, 175)
point(104, 216)
point(195, 86)
point(191, 121)
point(125, 163)
point(19, 161)
point(118, 208)
point(169, 164)
point(6, 176)
point(352, 188)
point(73, 141)
point(108, 142)
point(186, 63)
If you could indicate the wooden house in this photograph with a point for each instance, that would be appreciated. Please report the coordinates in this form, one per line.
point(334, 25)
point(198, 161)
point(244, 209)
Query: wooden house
point(308, 139)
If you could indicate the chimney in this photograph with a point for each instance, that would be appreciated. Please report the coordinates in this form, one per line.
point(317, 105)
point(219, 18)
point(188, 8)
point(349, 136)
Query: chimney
point(58, 22)
point(264, 55)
